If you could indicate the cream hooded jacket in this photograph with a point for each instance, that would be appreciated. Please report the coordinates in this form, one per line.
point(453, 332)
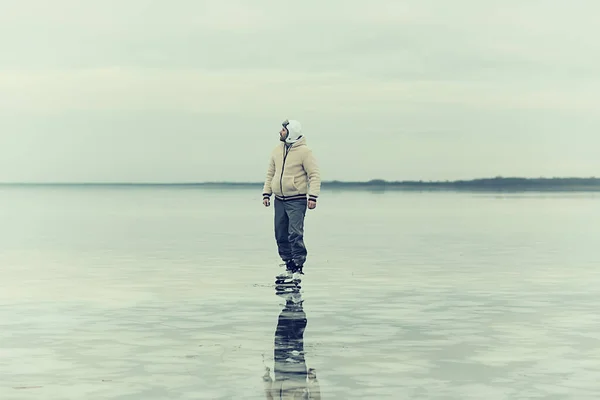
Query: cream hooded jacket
point(293, 172)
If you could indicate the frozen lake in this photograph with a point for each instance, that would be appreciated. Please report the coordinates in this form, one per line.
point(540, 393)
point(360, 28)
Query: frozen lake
point(166, 293)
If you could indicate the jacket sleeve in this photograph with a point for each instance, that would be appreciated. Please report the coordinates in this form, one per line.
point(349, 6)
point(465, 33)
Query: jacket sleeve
point(268, 385)
point(315, 389)
point(314, 175)
point(267, 190)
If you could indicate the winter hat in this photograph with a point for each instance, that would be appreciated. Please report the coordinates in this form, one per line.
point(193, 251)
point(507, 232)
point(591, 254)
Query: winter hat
point(294, 130)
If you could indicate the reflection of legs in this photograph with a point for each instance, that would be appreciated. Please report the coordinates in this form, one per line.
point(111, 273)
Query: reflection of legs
point(293, 379)
point(290, 366)
point(281, 231)
point(296, 211)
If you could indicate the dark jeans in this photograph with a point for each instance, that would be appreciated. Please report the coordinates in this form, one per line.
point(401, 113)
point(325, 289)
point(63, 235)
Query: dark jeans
point(289, 230)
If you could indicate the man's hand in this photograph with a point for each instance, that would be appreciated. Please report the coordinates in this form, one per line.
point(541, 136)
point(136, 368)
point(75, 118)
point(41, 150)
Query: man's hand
point(266, 202)
point(312, 204)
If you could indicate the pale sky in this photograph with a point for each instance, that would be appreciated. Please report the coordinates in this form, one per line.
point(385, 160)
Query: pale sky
point(192, 90)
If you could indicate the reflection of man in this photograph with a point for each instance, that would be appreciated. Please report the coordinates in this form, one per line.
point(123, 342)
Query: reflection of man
point(292, 380)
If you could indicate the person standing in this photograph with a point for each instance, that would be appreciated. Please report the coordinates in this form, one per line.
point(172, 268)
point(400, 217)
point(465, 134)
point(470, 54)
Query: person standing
point(294, 178)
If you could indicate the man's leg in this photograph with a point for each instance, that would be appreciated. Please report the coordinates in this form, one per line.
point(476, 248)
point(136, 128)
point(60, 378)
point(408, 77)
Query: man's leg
point(282, 231)
point(296, 211)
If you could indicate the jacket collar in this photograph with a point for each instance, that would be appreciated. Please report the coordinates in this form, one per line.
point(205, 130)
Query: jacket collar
point(297, 143)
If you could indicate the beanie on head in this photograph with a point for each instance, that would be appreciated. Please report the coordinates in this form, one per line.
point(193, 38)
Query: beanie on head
point(294, 130)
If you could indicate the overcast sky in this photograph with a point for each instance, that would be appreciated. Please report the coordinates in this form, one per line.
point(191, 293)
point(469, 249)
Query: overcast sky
point(192, 90)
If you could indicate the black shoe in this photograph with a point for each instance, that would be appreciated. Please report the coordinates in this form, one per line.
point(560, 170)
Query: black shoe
point(287, 274)
point(289, 265)
point(297, 269)
point(291, 275)
point(297, 274)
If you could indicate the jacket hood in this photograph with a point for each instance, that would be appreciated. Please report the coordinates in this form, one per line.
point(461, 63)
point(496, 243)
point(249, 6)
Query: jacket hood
point(300, 142)
point(294, 131)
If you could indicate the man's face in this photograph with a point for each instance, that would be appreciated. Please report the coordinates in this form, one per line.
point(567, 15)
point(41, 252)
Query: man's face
point(283, 134)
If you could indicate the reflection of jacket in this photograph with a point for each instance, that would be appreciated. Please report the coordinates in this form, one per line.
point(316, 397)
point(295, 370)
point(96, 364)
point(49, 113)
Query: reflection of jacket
point(293, 172)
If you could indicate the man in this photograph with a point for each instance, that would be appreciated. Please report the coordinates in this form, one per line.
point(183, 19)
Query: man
point(292, 175)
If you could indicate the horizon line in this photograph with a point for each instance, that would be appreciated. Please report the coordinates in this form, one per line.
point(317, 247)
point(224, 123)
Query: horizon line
point(333, 181)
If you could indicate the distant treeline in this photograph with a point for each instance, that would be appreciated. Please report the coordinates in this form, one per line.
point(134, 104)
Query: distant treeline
point(485, 184)
point(494, 184)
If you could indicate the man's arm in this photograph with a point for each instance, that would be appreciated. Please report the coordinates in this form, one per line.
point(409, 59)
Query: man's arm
point(267, 190)
point(314, 176)
point(268, 384)
point(313, 385)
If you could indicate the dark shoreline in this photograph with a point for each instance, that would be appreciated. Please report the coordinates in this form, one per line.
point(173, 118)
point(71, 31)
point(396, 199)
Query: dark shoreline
point(486, 184)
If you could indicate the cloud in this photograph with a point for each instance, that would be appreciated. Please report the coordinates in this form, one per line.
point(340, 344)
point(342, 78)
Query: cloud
point(510, 76)
point(194, 90)
point(508, 41)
